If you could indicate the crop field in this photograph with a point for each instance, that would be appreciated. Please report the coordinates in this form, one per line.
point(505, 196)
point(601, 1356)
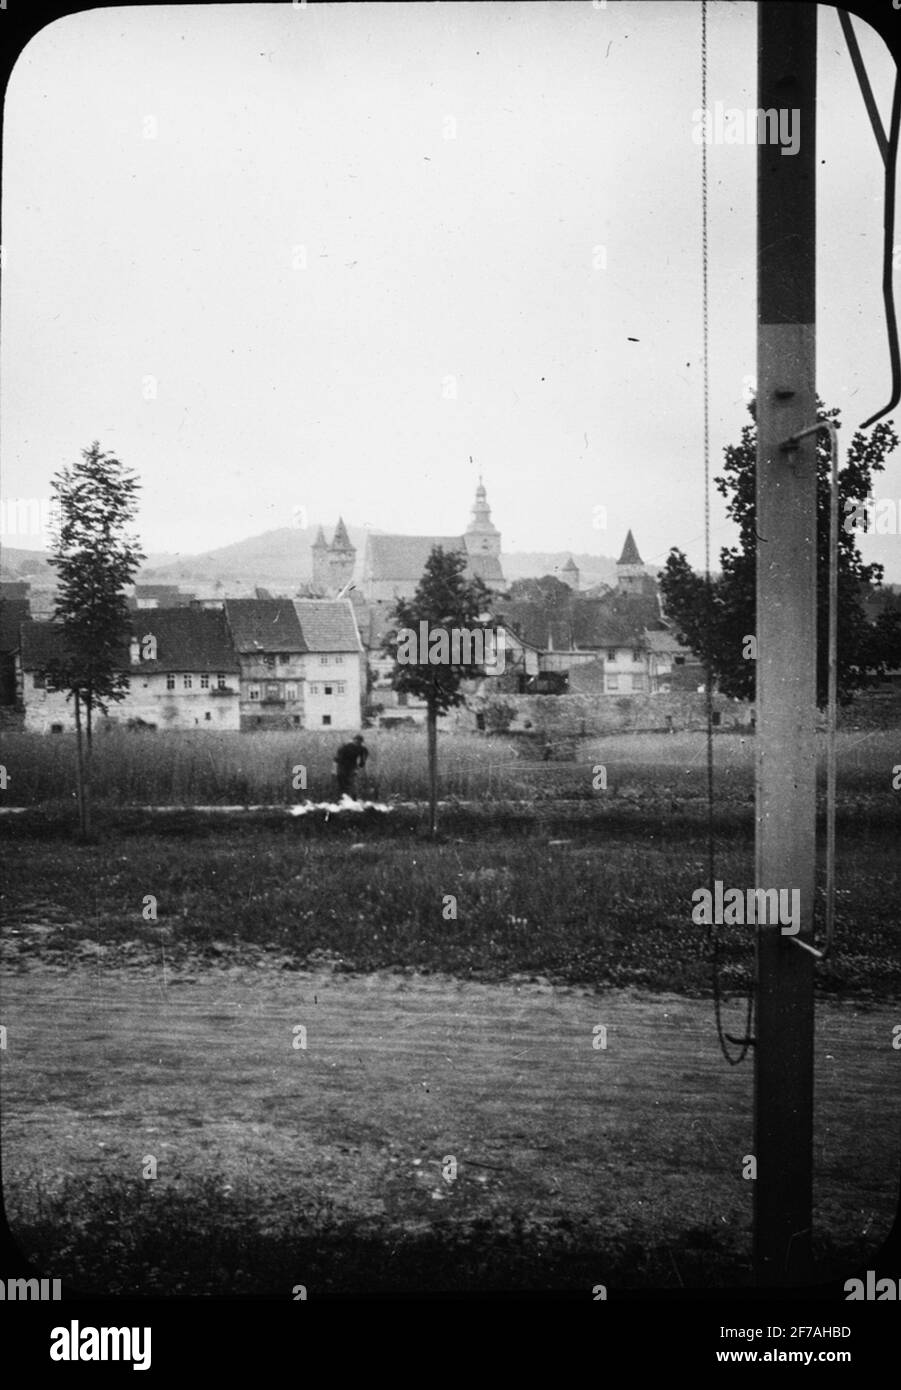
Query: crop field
point(365, 1062)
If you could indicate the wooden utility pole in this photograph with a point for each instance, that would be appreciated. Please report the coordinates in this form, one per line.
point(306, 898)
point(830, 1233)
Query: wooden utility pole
point(786, 639)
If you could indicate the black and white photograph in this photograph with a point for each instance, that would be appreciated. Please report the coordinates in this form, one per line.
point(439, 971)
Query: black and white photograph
point(450, 665)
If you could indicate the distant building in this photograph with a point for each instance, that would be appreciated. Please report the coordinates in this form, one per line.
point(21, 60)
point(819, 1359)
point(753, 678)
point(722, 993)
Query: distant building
point(333, 565)
point(393, 565)
point(631, 575)
point(570, 574)
point(158, 596)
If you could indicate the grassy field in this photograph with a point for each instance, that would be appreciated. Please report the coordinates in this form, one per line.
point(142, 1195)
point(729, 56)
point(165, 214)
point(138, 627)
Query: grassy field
point(432, 1032)
point(185, 769)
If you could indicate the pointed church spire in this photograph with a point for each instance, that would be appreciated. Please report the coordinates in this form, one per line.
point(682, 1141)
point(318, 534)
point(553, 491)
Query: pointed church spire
point(341, 539)
point(630, 555)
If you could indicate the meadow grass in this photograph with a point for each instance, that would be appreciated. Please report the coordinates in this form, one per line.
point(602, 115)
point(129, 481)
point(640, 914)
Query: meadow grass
point(256, 768)
point(585, 900)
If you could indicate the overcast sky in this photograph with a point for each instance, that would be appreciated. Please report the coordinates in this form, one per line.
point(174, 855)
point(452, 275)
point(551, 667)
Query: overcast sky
point(353, 245)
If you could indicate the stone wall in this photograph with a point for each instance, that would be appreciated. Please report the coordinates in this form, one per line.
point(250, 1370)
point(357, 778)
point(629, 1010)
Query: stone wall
point(600, 714)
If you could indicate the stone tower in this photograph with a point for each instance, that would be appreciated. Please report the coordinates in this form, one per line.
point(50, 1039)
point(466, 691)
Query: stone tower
point(630, 571)
point(570, 574)
point(482, 536)
point(342, 558)
point(321, 580)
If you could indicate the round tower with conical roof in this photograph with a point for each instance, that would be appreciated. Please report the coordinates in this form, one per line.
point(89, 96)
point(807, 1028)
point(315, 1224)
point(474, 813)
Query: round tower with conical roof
point(570, 573)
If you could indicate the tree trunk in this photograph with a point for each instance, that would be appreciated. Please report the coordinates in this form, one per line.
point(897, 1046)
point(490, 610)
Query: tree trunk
point(79, 765)
point(432, 732)
point(88, 828)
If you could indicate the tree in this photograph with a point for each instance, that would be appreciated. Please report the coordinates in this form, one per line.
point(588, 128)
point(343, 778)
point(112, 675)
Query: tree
point(444, 602)
point(94, 557)
point(716, 621)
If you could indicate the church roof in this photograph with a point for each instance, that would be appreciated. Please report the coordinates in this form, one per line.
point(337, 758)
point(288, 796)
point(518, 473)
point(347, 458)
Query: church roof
point(320, 543)
point(630, 555)
point(571, 567)
point(404, 557)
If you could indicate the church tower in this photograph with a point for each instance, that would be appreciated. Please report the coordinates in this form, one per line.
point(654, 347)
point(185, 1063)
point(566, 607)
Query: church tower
point(630, 571)
point(321, 578)
point(342, 559)
point(482, 536)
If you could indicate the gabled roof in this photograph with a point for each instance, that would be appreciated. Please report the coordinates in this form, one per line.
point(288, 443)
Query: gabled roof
point(320, 543)
point(404, 557)
point(41, 644)
point(264, 625)
point(328, 625)
point(630, 555)
point(13, 611)
point(664, 641)
point(580, 623)
point(187, 639)
point(157, 591)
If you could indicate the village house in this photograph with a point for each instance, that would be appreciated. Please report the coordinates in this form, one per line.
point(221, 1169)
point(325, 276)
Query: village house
point(270, 644)
point(182, 674)
point(334, 663)
point(183, 670)
point(301, 662)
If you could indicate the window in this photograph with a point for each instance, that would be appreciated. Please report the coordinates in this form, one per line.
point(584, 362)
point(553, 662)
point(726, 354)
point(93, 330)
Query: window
point(187, 682)
point(323, 661)
point(326, 719)
point(342, 687)
point(56, 728)
point(204, 681)
point(272, 692)
point(679, 660)
point(290, 692)
point(297, 719)
point(220, 680)
point(170, 682)
point(314, 689)
point(39, 680)
point(613, 683)
point(329, 689)
point(611, 655)
point(339, 660)
point(254, 692)
point(636, 654)
point(207, 715)
point(269, 661)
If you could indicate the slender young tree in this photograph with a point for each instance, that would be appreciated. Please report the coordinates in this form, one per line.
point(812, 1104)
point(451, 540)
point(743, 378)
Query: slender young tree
point(717, 620)
point(95, 556)
point(443, 602)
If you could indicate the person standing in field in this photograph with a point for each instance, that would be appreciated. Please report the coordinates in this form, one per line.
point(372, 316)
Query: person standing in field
point(348, 758)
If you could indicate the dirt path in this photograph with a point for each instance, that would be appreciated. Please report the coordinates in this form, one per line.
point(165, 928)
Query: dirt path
point(104, 1067)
